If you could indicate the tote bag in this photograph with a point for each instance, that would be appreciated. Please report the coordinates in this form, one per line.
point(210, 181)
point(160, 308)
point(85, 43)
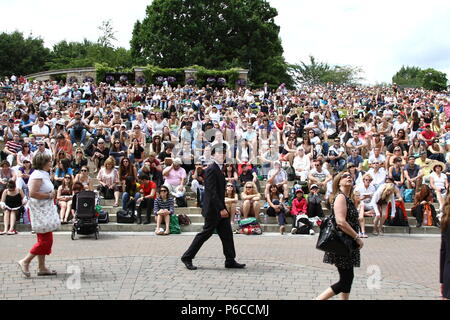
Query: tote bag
point(44, 216)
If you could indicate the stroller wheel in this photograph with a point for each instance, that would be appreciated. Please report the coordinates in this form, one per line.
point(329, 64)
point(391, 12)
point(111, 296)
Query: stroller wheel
point(73, 234)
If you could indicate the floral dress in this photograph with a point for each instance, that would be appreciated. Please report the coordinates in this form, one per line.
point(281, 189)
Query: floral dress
point(354, 260)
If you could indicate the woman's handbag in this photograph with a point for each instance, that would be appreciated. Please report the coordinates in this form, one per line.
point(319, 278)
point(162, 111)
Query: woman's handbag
point(183, 219)
point(44, 216)
point(333, 240)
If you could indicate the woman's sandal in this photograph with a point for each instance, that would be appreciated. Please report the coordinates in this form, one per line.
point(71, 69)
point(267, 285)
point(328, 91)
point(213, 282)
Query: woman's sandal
point(47, 273)
point(166, 233)
point(25, 273)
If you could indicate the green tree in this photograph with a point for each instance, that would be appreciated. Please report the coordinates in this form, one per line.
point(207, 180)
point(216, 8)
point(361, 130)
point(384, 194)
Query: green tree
point(408, 77)
point(314, 73)
point(433, 80)
point(414, 77)
point(20, 55)
point(216, 34)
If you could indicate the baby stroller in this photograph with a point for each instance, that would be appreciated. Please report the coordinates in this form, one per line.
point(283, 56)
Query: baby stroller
point(86, 217)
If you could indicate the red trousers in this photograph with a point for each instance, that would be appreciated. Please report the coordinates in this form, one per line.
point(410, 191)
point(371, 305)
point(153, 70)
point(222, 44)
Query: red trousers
point(44, 244)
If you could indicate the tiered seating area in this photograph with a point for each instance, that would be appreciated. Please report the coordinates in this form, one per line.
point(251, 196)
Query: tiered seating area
point(194, 213)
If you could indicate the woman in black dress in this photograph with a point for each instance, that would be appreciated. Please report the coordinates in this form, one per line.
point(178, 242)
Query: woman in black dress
point(445, 252)
point(347, 220)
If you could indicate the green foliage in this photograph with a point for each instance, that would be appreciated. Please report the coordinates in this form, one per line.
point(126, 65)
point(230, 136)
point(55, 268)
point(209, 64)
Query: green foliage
point(86, 54)
point(20, 55)
point(316, 73)
point(414, 77)
point(214, 34)
point(434, 80)
point(408, 77)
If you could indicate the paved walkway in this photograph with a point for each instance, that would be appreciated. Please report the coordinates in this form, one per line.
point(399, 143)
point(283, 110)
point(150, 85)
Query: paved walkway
point(137, 266)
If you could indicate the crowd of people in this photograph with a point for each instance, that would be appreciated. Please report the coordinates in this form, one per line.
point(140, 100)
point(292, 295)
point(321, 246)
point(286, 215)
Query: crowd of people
point(143, 142)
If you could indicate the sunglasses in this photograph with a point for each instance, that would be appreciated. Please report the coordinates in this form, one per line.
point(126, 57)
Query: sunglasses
point(67, 177)
point(229, 185)
point(83, 170)
point(164, 190)
point(347, 175)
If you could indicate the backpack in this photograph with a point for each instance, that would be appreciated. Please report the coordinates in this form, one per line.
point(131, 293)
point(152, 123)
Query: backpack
point(408, 195)
point(181, 202)
point(125, 216)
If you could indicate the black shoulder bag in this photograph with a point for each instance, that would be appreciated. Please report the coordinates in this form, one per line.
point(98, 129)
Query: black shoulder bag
point(333, 240)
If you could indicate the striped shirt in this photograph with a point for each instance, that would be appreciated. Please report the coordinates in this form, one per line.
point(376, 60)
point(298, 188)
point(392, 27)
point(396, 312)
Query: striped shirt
point(13, 146)
point(160, 204)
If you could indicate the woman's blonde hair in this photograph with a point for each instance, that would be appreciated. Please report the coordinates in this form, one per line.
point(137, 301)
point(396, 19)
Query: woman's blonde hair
point(389, 189)
point(255, 189)
point(110, 161)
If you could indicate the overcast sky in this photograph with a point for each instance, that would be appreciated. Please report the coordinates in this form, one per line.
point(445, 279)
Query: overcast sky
point(378, 35)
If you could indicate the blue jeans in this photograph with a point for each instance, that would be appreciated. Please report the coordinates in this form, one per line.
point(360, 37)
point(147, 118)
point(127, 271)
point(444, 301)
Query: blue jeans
point(325, 147)
point(126, 199)
point(73, 137)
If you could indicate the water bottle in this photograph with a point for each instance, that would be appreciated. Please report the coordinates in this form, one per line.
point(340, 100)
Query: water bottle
point(237, 216)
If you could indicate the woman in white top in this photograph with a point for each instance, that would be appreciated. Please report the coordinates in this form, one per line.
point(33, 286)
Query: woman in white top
point(42, 194)
point(365, 190)
point(439, 183)
point(384, 194)
point(302, 164)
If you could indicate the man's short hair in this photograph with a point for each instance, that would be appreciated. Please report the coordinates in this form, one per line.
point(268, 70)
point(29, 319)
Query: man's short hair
point(144, 177)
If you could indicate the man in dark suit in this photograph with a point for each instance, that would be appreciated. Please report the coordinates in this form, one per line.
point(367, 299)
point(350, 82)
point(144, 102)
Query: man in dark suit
point(215, 213)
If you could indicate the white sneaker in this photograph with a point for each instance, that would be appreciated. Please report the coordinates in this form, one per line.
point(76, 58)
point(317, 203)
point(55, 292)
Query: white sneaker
point(82, 145)
point(294, 231)
point(311, 232)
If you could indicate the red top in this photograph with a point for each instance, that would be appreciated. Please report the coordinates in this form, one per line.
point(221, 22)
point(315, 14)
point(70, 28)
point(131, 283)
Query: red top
point(299, 206)
point(146, 190)
point(428, 135)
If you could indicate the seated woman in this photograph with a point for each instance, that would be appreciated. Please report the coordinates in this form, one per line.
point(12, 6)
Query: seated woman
point(275, 200)
point(108, 177)
point(365, 192)
point(12, 199)
point(131, 194)
point(437, 151)
point(396, 174)
point(126, 169)
point(250, 197)
point(78, 161)
point(302, 164)
point(24, 154)
point(299, 207)
point(231, 175)
point(197, 185)
point(423, 209)
point(164, 207)
point(136, 153)
point(231, 200)
point(6, 174)
point(84, 178)
point(439, 183)
point(118, 151)
point(23, 175)
point(61, 171)
point(64, 198)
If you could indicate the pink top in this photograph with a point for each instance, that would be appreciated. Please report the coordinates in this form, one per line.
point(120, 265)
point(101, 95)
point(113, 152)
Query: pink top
point(108, 178)
point(174, 177)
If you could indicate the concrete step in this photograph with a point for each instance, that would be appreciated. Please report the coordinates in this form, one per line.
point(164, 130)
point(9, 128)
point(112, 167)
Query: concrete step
point(197, 227)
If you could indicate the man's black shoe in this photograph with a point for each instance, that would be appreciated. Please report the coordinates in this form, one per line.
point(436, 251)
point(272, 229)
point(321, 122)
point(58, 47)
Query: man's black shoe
point(234, 265)
point(139, 220)
point(188, 264)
